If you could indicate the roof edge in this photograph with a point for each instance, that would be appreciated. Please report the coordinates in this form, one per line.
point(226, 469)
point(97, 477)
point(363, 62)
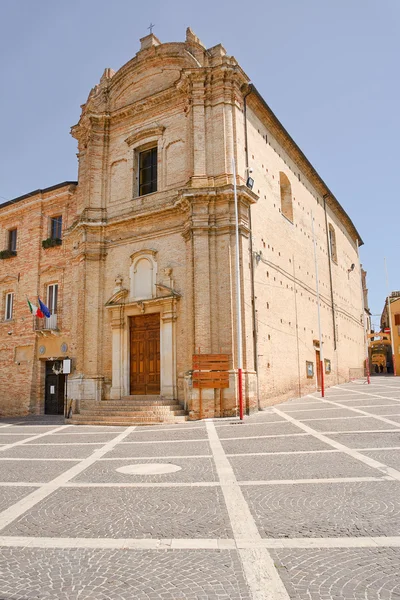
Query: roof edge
point(36, 192)
point(328, 195)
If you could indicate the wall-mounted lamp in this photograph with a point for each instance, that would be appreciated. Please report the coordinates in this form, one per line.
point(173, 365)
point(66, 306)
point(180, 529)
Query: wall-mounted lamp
point(351, 268)
point(250, 183)
point(257, 256)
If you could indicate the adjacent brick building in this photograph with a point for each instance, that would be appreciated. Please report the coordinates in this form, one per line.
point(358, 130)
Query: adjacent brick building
point(142, 249)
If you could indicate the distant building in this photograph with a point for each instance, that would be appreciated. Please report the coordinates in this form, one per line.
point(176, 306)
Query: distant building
point(393, 324)
point(136, 260)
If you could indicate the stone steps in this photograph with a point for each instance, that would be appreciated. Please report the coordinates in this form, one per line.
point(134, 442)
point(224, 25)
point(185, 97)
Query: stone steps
point(124, 421)
point(130, 410)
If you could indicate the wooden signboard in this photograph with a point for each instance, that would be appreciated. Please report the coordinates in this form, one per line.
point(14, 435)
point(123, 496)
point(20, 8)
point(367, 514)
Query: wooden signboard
point(210, 371)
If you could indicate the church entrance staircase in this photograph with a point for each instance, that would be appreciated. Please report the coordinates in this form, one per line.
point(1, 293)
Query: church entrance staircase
point(130, 410)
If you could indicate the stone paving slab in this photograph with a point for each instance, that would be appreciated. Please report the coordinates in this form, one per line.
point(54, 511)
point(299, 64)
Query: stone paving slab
point(192, 433)
point(326, 510)
point(192, 470)
point(353, 424)
point(40, 471)
point(46, 451)
point(243, 430)
point(299, 466)
point(340, 574)
point(385, 411)
point(9, 438)
point(9, 495)
point(262, 417)
point(278, 444)
point(77, 438)
point(395, 418)
point(130, 450)
point(127, 513)
point(122, 575)
point(322, 413)
point(367, 440)
point(391, 458)
point(365, 401)
point(28, 431)
point(172, 426)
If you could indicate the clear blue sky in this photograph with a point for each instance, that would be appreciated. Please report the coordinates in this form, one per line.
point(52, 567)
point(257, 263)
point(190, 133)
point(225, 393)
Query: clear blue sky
point(328, 68)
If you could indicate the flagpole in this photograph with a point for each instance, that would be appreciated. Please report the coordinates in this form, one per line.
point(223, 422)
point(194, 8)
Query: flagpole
point(238, 299)
point(363, 318)
point(321, 359)
point(390, 319)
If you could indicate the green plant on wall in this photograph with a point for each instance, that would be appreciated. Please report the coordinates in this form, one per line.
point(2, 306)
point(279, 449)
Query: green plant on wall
point(7, 253)
point(51, 242)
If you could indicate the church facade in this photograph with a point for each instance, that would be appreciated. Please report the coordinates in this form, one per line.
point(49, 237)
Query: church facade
point(136, 260)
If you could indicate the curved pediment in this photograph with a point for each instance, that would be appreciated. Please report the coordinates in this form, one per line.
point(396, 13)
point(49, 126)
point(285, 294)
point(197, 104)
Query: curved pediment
point(149, 72)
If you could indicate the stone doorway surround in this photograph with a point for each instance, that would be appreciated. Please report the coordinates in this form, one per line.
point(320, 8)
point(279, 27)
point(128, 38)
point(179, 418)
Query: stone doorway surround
point(166, 306)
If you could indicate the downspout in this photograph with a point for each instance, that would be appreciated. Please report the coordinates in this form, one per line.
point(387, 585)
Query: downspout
point(253, 298)
point(330, 273)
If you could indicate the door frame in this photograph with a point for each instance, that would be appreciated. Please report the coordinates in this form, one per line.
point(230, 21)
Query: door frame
point(131, 329)
point(167, 307)
point(59, 384)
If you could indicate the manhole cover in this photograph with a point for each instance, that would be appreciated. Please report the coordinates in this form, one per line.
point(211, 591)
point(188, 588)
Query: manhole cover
point(149, 469)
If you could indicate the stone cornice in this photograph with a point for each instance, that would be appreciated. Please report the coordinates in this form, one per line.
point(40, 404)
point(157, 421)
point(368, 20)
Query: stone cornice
point(144, 133)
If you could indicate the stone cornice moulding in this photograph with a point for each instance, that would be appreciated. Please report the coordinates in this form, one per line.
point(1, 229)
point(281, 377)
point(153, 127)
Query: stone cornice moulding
point(118, 297)
point(145, 252)
point(147, 132)
point(51, 269)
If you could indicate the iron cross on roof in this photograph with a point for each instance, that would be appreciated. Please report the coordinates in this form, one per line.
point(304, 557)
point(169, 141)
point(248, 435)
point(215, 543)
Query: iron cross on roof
point(151, 27)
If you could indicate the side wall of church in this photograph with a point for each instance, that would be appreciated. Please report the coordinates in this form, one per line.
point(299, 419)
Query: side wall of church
point(285, 278)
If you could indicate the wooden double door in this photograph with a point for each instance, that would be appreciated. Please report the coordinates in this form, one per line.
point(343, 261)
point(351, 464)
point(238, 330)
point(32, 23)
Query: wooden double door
point(145, 354)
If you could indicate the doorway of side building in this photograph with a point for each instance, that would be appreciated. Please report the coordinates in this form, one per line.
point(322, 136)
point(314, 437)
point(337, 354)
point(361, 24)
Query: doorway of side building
point(54, 389)
point(145, 354)
point(318, 368)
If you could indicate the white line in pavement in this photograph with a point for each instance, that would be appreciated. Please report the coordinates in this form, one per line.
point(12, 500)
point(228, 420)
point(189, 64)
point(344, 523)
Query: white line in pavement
point(241, 423)
point(19, 508)
point(337, 418)
point(327, 480)
point(280, 453)
point(372, 395)
point(363, 413)
point(258, 566)
point(33, 437)
point(142, 484)
point(64, 444)
point(262, 437)
point(4, 458)
point(363, 431)
point(164, 441)
point(198, 543)
point(353, 453)
point(20, 484)
point(157, 457)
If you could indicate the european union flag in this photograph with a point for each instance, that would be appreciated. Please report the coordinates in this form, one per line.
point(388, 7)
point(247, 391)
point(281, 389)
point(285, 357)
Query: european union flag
point(44, 308)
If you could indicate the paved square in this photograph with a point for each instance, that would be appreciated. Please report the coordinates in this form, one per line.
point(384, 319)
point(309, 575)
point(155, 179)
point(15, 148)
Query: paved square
point(127, 513)
point(301, 501)
point(298, 466)
point(104, 574)
point(348, 509)
point(191, 470)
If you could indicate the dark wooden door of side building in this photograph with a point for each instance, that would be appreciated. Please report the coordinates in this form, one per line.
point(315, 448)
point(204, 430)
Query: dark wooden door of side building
point(145, 354)
point(54, 390)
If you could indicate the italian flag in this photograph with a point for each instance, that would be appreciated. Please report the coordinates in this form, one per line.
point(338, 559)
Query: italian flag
point(35, 310)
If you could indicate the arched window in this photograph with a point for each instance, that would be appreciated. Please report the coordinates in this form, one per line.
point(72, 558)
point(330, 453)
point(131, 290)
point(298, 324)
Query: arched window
point(332, 243)
point(286, 197)
point(143, 275)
